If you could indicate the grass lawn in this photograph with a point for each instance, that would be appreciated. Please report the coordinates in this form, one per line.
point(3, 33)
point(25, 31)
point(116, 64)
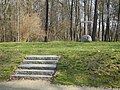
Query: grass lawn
point(91, 64)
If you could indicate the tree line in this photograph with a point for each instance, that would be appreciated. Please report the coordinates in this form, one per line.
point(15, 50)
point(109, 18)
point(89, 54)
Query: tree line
point(55, 20)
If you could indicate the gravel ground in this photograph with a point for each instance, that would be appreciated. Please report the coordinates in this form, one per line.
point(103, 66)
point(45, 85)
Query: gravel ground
point(41, 85)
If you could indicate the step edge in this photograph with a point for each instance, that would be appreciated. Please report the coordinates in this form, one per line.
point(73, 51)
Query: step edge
point(25, 75)
point(25, 70)
point(40, 60)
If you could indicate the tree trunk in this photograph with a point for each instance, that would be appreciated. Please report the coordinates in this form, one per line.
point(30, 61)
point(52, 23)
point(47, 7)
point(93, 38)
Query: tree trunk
point(95, 21)
point(71, 21)
point(90, 17)
point(46, 21)
point(107, 32)
point(85, 16)
point(102, 20)
point(118, 25)
point(99, 27)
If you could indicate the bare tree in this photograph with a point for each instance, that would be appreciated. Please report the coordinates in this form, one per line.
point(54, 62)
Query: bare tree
point(71, 21)
point(118, 25)
point(46, 21)
point(102, 20)
point(107, 32)
point(61, 19)
point(95, 21)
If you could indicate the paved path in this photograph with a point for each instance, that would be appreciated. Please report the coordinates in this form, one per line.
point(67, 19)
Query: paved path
point(40, 85)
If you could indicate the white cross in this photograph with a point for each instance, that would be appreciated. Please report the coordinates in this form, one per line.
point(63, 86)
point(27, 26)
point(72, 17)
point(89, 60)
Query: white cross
point(86, 24)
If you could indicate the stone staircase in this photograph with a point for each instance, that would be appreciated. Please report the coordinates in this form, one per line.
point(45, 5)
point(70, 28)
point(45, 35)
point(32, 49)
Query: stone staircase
point(37, 66)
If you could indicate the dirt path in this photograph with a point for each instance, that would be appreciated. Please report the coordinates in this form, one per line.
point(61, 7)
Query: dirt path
point(40, 85)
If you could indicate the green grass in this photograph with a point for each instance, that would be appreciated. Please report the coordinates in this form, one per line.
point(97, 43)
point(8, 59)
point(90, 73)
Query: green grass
point(91, 64)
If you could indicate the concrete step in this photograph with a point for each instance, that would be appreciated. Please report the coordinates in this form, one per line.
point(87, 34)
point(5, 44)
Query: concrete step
point(40, 61)
point(42, 57)
point(32, 71)
point(37, 66)
point(31, 76)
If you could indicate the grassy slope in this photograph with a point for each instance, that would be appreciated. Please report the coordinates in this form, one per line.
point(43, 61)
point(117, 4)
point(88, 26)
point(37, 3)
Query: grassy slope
point(92, 64)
